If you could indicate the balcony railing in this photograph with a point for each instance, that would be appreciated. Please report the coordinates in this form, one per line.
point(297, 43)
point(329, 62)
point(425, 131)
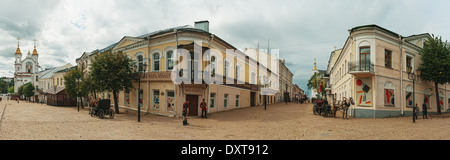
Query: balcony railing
point(357, 67)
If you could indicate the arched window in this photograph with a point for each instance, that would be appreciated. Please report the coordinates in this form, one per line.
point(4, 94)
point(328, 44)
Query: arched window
point(253, 78)
point(238, 72)
point(426, 98)
point(140, 61)
point(169, 58)
point(213, 66)
point(226, 71)
point(156, 62)
point(389, 94)
point(409, 96)
point(441, 99)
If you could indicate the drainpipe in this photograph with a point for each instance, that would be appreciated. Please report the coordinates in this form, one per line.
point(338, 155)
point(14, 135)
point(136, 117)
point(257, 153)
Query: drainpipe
point(209, 86)
point(174, 85)
point(401, 75)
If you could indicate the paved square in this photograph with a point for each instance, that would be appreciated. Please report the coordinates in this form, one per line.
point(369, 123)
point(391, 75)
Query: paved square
point(287, 122)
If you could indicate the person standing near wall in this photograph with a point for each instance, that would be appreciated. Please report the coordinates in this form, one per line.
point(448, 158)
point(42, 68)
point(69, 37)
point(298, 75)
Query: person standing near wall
point(424, 111)
point(204, 109)
point(185, 112)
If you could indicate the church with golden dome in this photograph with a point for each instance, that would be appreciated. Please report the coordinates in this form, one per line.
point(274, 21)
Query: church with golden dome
point(25, 68)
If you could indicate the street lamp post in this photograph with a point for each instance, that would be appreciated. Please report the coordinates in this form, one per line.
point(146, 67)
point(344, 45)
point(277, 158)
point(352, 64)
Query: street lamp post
point(138, 73)
point(78, 80)
point(414, 77)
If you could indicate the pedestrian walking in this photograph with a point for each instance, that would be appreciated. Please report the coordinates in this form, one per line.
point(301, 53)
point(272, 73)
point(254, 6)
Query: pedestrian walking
point(416, 111)
point(424, 111)
point(185, 112)
point(204, 109)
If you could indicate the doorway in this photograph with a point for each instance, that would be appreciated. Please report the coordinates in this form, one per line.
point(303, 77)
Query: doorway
point(252, 99)
point(193, 104)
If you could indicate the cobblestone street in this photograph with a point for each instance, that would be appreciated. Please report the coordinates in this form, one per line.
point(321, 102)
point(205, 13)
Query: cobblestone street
point(287, 122)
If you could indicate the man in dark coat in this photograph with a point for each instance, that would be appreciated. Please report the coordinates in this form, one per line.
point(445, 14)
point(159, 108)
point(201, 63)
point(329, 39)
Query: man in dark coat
point(185, 112)
point(424, 111)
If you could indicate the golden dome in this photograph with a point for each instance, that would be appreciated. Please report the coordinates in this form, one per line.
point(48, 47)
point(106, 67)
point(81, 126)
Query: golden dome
point(35, 51)
point(18, 49)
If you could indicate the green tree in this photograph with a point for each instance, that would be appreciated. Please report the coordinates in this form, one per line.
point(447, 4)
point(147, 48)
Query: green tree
point(11, 90)
point(112, 72)
point(20, 90)
point(28, 90)
point(435, 66)
point(316, 82)
point(73, 88)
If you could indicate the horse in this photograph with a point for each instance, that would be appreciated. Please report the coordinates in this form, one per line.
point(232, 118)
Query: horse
point(344, 106)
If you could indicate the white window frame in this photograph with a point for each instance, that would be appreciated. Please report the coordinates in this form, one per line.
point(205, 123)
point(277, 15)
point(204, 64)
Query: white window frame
point(169, 58)
point(238, 101)
point(154, 62)
point(153, 99)
point(225, 100)
point(167, 100)
point(212, 104)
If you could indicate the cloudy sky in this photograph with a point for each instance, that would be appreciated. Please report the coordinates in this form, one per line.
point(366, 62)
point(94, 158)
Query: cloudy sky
point(301, 30)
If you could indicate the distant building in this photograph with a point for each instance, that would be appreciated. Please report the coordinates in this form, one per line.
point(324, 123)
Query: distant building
point(25, 69)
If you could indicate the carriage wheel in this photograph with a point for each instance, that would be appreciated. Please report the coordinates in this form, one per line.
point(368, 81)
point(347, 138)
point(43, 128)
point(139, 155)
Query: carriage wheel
point(101, 114)
point(111, 113)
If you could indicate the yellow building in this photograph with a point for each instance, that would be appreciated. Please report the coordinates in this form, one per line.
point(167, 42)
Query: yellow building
point(166, 50)
point(372, 68)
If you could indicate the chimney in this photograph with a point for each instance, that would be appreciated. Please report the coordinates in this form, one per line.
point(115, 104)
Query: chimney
point(203, 25)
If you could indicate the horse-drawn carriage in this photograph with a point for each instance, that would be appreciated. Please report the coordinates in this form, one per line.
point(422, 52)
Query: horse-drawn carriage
point(322, 107)
point(102, 109)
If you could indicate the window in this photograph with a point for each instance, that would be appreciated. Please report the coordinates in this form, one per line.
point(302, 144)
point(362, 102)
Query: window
point(194, 66)
point(127, 99)
point(253, 78)
point(238, 71)
point(237, 101)
point(140, 59)
point(213, 66)
point(226, 69)
point(170, 101)
point(388, 58)
point(213, 101)
point(389, 94)
point(409, 62)
point(225, 101)
point(409, 92)
point(57, 81)
point(156, 62)
point(170, 60)
point(156, 99)
point(364, 60)
point(141, 98)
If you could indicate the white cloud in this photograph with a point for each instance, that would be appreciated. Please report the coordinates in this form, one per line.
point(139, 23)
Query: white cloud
point(301, 30)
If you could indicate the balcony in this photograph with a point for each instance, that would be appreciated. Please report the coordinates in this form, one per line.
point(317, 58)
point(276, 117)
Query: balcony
point(361, 69)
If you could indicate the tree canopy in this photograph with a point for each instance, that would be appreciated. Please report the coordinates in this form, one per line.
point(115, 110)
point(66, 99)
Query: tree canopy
point(435, 66)
point(112, 72)
point(317, 83)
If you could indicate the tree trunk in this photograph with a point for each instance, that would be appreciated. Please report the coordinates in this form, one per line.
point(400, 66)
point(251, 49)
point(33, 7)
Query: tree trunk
point(436, 87)
point(82, 106)
point(116, 105)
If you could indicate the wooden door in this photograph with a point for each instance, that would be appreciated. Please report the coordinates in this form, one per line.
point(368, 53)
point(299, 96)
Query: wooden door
point(193, 104)
point(252, 98)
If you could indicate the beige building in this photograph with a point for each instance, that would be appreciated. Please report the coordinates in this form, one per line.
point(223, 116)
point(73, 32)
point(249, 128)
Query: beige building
point(372, 69)
point(49, 79)
point(285, 82)
point(160, 50)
